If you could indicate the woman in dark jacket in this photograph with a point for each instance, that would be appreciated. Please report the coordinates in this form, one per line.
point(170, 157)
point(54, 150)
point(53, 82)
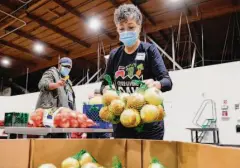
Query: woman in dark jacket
point(135, 60)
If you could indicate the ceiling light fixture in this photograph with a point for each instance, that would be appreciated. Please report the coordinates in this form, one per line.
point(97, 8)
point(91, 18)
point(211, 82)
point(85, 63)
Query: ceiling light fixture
point(38, 48)
point(5, 62)
point(94, 24)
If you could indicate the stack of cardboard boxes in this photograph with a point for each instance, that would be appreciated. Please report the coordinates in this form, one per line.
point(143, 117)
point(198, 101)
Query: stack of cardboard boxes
point(132, 153)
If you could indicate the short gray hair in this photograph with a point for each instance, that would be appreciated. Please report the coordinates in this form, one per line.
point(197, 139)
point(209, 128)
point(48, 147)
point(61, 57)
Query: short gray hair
point(127, 11)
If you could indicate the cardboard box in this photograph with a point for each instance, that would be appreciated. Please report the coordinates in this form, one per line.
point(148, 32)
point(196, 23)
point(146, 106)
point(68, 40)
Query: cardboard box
point(188, 155)
point(14, 153)
point(218, 157)
point(165, 151)
point(56, 150)
point(198, 156)
point(134, 154)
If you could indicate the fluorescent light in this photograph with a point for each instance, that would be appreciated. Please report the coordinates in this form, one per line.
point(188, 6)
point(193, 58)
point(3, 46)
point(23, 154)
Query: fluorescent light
point(94, 23)
point(38, 48)
point(5, 62)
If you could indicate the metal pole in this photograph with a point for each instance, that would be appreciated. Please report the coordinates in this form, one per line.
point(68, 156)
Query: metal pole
point(81, 81)
point(194, 56)
point(190, 39)
point(179, 33)
point(173, 50)
point(224, 52)
point(1, 89)
point(164, 52)
point(202, 45)
point(98, 63)
point(27, 81)
point(83, 73)
point(89, 80)
point(144, 35)
point(87, 74)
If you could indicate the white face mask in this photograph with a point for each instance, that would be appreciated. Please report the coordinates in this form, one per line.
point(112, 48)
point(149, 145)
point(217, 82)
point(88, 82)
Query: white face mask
point(65, 71)
point(129, 38)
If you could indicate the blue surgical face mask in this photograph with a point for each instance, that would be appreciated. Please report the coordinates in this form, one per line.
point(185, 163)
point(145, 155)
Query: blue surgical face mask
point(129, 38)
point(65, 71)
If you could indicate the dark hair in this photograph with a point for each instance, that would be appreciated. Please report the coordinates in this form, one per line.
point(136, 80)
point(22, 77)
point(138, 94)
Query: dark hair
point(127, 11)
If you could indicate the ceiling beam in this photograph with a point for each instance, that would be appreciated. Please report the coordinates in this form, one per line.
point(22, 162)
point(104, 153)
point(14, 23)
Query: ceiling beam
point(10, 5)
point(20, 48)
point(81, 16)
point(32, 38)
point(114, 3)
point(144, 13)
point(57, 30)
point(193, 18)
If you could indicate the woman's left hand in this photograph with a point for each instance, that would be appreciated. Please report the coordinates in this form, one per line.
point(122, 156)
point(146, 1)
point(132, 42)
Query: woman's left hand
point(152, 83)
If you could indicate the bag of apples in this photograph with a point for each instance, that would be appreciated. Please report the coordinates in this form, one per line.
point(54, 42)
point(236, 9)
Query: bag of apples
point(59, 117)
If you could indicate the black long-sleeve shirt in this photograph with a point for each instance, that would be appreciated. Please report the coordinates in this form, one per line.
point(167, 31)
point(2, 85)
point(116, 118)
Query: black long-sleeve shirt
point(145, 63)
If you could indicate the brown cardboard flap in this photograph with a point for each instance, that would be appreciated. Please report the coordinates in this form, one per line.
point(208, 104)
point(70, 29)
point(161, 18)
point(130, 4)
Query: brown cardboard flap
point(134, 153)
point(56, 150)
point(14, 153)
point(188, 154)
point(218, 157)
point(208, 156)
point(165, 151)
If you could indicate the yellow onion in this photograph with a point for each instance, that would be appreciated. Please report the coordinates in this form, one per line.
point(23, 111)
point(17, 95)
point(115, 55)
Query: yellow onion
point(109, 96)
point(124, 97)
point(70, 163)
point(161, 113)
point(85, 158)
point(117, 107)
point(130, 118)
point(96, 100)
point(92, 165)
point(149, 113)
point(47, 165)
point(135, 101)
point(155, 164)
point(105, 114)
point(153, 96)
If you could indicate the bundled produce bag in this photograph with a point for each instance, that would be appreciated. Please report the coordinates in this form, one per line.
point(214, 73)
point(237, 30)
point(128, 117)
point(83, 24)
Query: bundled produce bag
point(84, 159)
point(155, 163)
point(59, 117)
point(48, 165)
point(116, 163)
point(132, 110)
point(79, 160)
